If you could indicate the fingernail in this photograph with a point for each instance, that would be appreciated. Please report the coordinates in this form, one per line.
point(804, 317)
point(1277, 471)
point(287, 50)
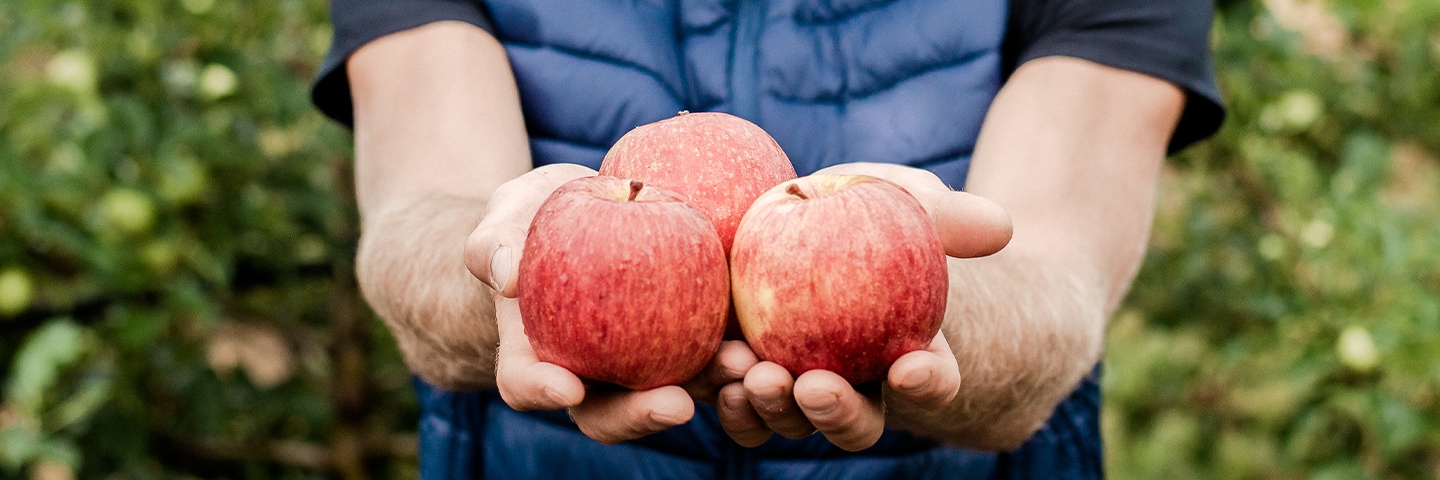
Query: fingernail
point(733, 402)
point(500, 268)
point(731, 374)
point(824, 405)
point(554, 397)
point(726, 402)
point(917, 380)
point(769, 405)
point(664, 420)
point(770, 398)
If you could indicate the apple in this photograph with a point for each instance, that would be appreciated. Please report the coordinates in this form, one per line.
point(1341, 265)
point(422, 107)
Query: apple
point(719, 162)
point(624, 283)
point(844, 273)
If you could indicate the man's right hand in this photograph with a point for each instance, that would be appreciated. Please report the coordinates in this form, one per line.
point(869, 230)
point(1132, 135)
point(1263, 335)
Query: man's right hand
point(439, 132)
point(608, 415)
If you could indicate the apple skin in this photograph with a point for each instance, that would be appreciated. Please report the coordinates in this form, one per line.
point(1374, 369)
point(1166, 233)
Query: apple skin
point(844, 273)
point(719, 162)
point(624, 283)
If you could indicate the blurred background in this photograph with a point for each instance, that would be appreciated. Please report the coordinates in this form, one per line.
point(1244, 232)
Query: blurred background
point(176, 234)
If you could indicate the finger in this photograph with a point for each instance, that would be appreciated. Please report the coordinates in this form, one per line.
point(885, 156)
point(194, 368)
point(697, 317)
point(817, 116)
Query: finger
point(928, 378)
point(616, 416)
point(771, 391)
point(493, 249)
point(848, 419)
point(728, 366)
point(909, 178)
point(738, 417)
point(525, 382)
point(970, 225)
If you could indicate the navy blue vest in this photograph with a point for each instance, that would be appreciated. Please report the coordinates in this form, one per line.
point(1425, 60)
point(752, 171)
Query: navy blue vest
point(834, 81)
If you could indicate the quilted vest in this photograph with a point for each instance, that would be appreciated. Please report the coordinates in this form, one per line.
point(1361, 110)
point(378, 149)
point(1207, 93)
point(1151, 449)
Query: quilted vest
point(834, 81)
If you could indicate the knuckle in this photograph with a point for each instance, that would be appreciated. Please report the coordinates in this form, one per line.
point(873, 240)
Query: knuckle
point(477, 257)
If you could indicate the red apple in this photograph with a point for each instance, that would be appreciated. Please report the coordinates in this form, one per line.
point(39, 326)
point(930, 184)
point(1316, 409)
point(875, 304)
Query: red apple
point(624, 283)
point(844, 273)
point(718, 161)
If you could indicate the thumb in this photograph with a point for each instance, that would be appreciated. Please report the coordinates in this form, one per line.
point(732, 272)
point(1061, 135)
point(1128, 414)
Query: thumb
point(970, 225)
point(493, 250)
point(492, 254)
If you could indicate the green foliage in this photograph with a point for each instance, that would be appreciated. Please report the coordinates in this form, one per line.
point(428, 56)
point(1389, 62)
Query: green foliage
point(175, 240)
point(176, 295)
point(1285, 322)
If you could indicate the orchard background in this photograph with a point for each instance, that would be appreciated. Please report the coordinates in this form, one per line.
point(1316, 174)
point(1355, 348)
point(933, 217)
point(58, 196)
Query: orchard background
point(176, 234)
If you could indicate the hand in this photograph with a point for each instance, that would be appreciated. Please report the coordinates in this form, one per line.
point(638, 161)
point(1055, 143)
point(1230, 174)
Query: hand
point(770, 400)
point(492, 253)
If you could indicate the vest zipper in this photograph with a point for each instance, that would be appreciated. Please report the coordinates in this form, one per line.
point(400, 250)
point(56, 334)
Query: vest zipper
point(745, 60)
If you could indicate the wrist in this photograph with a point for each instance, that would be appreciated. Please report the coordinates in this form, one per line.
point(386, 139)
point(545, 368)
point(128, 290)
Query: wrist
point(1025, 330)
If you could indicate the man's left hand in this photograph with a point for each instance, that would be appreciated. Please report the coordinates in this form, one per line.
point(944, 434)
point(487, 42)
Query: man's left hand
point(770, 400)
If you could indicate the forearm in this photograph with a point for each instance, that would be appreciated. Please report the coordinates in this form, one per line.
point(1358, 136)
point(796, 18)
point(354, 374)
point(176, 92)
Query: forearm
point(1026, 324)
point(409, 269)
point(437, 129)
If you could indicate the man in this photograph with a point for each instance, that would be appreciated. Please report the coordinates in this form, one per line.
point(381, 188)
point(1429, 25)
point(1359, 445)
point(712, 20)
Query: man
point(454, 103)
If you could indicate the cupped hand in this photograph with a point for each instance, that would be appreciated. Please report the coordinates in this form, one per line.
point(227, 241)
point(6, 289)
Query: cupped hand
point(608, 415)
point(770, 400)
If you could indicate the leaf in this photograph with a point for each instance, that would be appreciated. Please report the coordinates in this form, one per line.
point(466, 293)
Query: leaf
point(94, 392)
point(17, 446)
point(1366, 156)
point(1399, 426)
point(54, 346)
point(58, 450)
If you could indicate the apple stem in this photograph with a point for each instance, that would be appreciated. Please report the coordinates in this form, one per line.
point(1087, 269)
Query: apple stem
point(794, 189)
point(635, 186)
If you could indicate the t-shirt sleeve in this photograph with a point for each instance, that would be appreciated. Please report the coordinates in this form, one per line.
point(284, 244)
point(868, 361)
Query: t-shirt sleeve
point(1166, 39)
point(357, 22)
